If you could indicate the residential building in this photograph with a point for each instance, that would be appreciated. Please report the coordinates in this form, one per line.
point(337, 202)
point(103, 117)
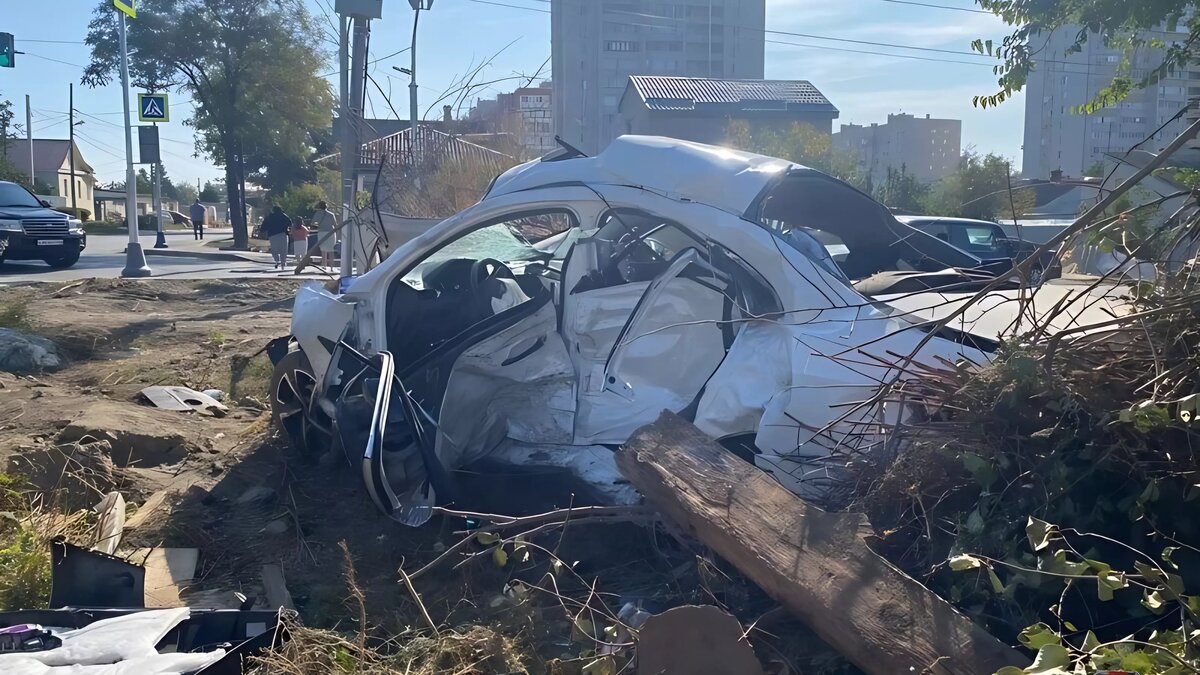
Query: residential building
point(597, 44)
point(52, 166)
point(701, 109)
point(526, 116)
point(1059, 138)
point(926, 147)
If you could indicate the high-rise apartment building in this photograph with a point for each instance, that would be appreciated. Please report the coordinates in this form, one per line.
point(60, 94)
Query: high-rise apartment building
point(928, 148)
point(1058, 138)
point(597, 44)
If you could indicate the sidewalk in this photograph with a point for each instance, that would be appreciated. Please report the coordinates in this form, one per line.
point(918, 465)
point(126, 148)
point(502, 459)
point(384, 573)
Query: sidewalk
point(183, 244)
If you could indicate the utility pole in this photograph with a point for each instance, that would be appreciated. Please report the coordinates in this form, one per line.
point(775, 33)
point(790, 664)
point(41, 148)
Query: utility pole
point(355, 16)
point(413, 114)
point(29, 135)
point(135, 258)
point(160, 240)
point(352, 111)
point(71, 112)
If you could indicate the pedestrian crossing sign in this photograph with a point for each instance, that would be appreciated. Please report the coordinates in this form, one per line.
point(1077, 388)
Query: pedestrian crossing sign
point(127, 6)
point(153, 108)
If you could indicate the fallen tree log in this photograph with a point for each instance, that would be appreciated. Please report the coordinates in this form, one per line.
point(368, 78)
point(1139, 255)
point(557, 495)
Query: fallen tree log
point(816, 564)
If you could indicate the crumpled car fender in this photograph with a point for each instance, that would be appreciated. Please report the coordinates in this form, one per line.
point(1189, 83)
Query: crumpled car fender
point(317, 314)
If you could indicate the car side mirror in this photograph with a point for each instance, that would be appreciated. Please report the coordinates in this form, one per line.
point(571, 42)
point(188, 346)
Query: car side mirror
point(44, 203)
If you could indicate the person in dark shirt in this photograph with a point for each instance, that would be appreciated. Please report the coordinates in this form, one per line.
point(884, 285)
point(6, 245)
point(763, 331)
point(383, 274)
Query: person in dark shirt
point(276, 228)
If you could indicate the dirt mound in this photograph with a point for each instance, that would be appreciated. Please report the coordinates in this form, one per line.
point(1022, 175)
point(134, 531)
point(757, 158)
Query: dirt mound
point(139, 436)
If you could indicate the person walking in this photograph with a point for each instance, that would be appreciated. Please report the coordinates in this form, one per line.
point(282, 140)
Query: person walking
point(327, 225)
point(276, 227)
point(299, 236)
point(199, 214)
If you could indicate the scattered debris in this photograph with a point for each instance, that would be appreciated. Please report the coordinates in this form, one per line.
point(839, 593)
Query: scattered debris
point(276, 588)
point(183, 399)
point(110, 523)
point(23, 353)
point(816, 564)
point(168, 571)
point(259, 494)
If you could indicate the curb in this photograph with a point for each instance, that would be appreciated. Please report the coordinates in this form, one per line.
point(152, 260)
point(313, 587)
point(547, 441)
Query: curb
point(200, 255)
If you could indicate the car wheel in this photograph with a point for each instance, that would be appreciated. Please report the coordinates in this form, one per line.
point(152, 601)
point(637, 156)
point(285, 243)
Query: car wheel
point(293, 404)
point(61, 262)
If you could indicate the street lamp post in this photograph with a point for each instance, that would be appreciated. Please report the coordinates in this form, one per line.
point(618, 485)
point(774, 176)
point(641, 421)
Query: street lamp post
point(135, 258)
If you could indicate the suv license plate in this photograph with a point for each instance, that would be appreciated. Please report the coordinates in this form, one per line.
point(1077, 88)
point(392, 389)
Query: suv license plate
point(49, 242)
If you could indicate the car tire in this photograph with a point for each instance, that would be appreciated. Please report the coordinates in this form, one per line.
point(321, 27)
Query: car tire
point(293, 393)
point(62, 262)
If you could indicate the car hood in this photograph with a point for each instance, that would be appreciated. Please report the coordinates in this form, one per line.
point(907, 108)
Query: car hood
point(22, 212)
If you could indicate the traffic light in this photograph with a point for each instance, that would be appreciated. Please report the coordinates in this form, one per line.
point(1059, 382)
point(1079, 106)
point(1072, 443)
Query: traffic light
point(8, 51)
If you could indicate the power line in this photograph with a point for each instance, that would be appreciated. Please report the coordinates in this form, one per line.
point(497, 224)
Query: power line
point(501, 4)
point(47, 58)
point(864, 51)
point(53, 42)
point(926, 4)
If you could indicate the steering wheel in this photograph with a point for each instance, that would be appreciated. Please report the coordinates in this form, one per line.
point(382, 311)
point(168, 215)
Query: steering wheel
point(483, 271)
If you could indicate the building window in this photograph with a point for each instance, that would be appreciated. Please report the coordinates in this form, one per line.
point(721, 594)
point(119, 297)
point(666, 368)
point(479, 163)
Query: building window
point(621, 46)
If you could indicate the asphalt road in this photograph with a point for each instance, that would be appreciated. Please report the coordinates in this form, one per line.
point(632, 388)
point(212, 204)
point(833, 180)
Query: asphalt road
point(104, 257)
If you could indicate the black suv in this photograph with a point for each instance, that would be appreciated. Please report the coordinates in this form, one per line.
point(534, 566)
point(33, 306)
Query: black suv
point(986, 240)
point(30, 230)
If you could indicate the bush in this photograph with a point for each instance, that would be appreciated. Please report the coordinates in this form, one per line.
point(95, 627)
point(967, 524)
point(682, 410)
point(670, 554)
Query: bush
point(82, 214)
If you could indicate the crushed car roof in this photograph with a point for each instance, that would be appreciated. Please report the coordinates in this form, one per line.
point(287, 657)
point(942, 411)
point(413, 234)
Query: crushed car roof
point(723, 178)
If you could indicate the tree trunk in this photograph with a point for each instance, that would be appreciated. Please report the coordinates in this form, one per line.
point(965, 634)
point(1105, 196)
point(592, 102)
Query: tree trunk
point(816, 564)
point(241, 238)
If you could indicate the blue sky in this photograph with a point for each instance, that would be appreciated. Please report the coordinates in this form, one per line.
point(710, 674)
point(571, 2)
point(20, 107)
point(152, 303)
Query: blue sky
point(459, 35)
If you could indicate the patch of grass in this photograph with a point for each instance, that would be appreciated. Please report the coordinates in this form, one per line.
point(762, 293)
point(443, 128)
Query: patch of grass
point(250, 377)
point(26, 530)
point(14, 314)
point(216, 338)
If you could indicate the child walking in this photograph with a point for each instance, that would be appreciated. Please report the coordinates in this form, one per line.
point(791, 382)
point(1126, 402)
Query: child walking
point(299, 238)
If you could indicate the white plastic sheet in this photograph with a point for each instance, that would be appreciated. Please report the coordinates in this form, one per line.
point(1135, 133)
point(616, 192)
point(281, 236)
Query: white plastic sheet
point(123, 645)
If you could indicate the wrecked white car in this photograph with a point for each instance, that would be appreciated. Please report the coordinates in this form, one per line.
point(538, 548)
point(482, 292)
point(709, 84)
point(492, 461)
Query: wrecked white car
point(582, 296)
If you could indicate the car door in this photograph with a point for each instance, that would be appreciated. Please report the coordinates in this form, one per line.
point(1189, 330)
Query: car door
point(673, 341)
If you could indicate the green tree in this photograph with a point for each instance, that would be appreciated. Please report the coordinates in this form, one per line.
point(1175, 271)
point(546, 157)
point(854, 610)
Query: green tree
point(299, 200)
point(145, 186)
point(185, 193)
point(800, 143)
point(902, 190)
point(1095, 170)
point(979, 188)
point(1123, 24)
point(211, 192)
point(251, 67)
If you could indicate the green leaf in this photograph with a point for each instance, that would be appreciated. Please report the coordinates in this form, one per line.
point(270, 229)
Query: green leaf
point(1037, 636)
point(963, 562)
point(1051, 659)
point(1108, 582)
point(997, 585)
point(1166, 556)
point(980, 469)
point(487, 538)
point(1010, 670)
point(1058, 564)
point(499, 556)
point(1138, 662)
point(975, 522)
point(1090, 642)
point(1153, 601)
point(1038, 533)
